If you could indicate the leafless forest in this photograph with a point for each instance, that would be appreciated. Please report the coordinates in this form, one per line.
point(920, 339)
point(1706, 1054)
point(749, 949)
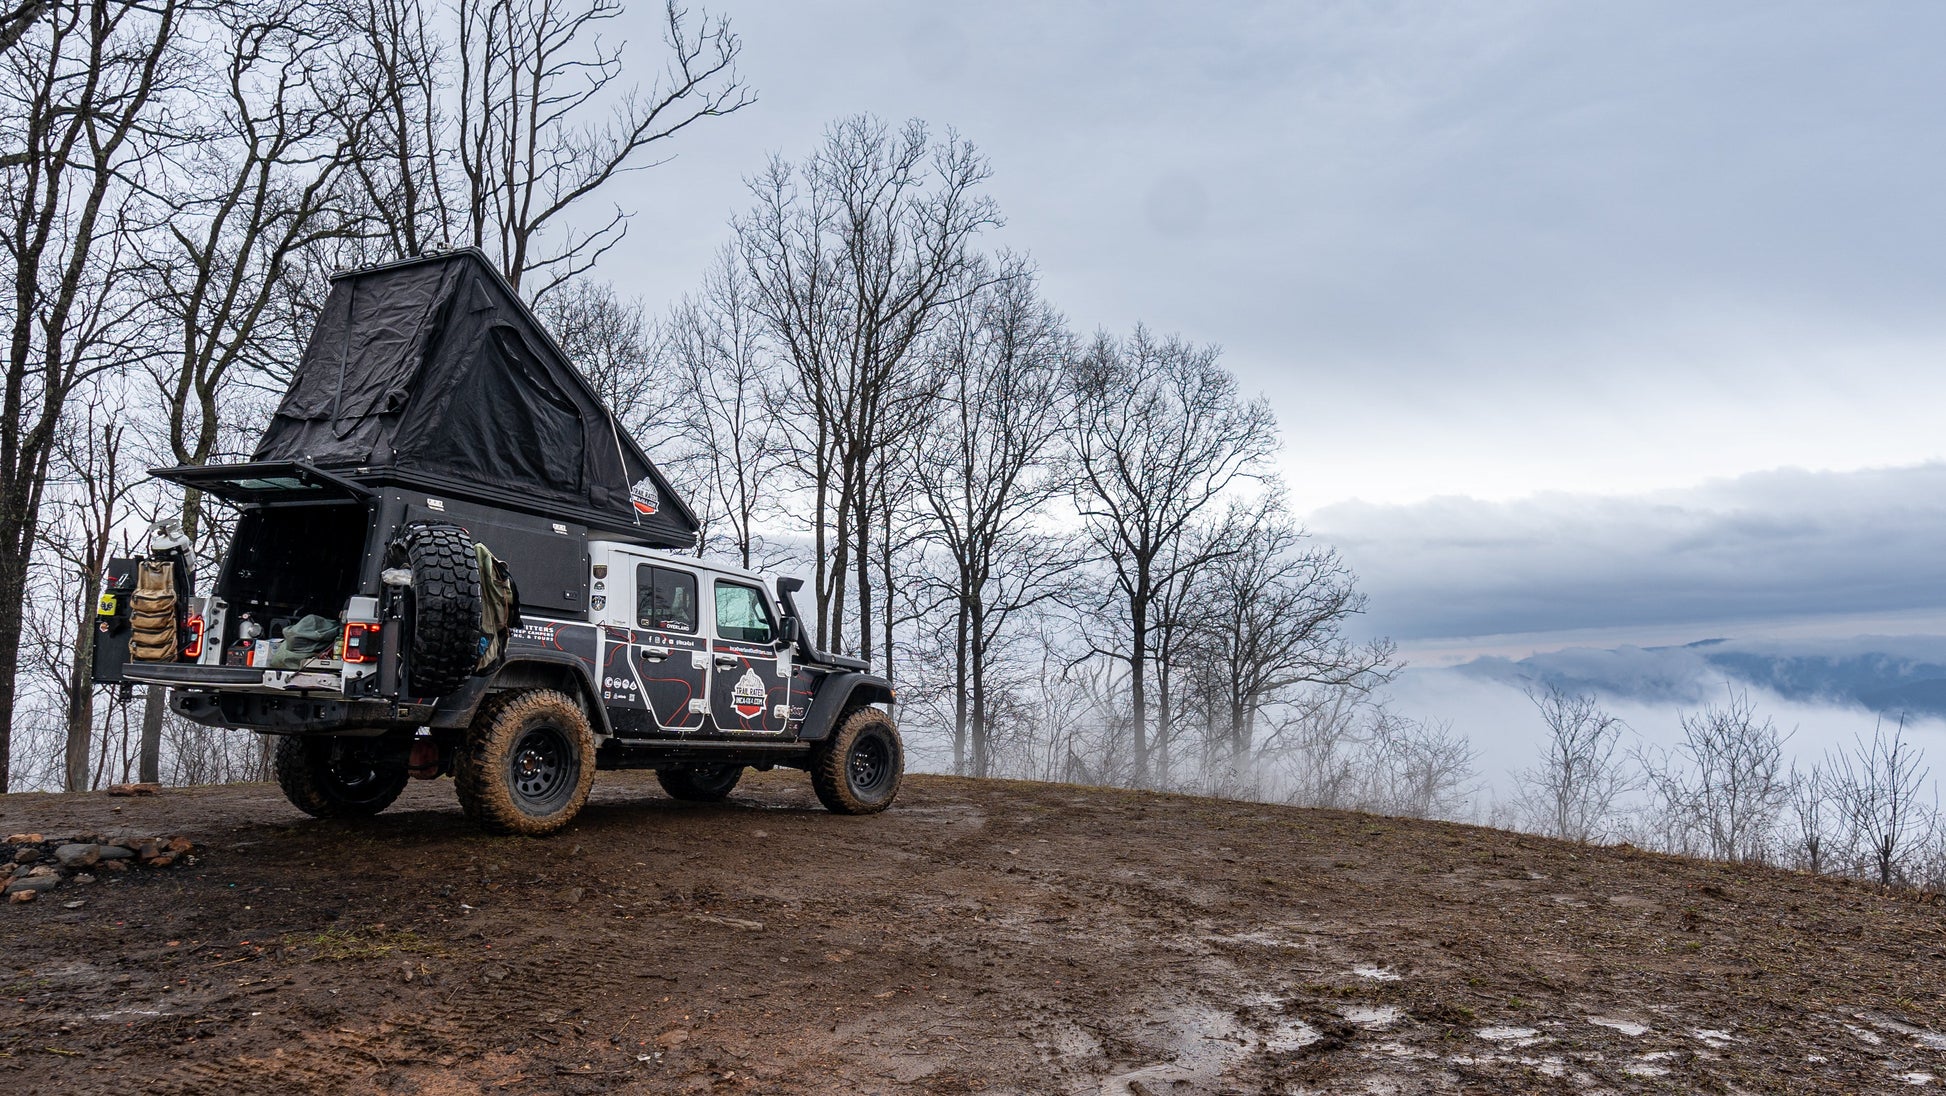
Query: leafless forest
point(1068, 549)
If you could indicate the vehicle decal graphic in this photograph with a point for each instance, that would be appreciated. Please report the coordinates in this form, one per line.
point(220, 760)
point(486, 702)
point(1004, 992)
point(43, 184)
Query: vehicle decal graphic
point(748, 695)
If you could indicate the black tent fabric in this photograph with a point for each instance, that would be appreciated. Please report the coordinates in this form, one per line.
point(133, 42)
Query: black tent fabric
point(434, 368)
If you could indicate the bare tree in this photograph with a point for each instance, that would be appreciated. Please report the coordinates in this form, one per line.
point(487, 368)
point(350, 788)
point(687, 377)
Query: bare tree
point(77, 100)
point(1273, 610)
point(17, 20)
point(533, 75)
point(728, 386)
point(1722, 792)
point(1418, 769)
point(1877, 786)
point(258, 192)
point(1160, 434)
point(851, 255)
point(90, 470)
point(986, 467)
point(1582, 776)
point(393, 64)
point(1811, 807)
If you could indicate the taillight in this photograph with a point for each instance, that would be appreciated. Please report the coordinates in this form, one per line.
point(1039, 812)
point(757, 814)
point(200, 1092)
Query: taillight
point(361, 642)
point(194, 648)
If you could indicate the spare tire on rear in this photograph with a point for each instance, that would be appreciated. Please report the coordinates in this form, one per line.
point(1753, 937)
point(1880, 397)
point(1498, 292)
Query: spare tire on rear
point(443, 620)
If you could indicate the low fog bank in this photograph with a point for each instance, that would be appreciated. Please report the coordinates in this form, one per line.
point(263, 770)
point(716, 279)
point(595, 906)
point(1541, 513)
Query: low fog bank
point(1817, 693)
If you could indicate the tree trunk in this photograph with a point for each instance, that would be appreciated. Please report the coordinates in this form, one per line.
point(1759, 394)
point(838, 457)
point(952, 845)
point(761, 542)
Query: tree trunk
point(982, 737)
point(1164, 712)
point(13, 593)
point(81, 688)
point(155, 700)
point(959, 692)
point(1138, 664)
point(885, 568)
point(862, 522)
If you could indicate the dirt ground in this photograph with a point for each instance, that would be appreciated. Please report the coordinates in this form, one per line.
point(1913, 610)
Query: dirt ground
point(982, 936)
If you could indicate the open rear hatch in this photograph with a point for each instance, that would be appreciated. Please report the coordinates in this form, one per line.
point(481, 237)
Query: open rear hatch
point(267, 481)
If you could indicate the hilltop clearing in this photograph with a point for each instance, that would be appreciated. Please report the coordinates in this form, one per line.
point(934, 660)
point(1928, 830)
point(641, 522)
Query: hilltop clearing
point(981, 936)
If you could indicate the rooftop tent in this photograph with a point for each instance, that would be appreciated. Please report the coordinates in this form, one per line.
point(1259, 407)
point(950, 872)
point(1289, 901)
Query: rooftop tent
point(432, 370)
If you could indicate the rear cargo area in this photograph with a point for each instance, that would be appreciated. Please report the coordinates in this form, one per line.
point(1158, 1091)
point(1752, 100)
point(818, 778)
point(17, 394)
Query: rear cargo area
point(288, 562)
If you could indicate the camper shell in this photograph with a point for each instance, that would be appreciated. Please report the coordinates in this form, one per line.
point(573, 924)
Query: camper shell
point(437, 451)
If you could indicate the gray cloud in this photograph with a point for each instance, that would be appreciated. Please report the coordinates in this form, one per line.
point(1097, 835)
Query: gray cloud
point(1767, 546)
point(1481, 247)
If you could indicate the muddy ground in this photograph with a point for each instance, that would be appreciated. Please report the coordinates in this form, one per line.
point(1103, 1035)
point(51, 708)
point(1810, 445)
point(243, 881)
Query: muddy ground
point(981, 937)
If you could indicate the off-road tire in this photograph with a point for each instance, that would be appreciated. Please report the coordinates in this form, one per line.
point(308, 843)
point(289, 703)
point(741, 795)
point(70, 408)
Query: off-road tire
point(859, 768)
point(339, 777)
point(701, 784)
point(527, 763)
point(445, 600)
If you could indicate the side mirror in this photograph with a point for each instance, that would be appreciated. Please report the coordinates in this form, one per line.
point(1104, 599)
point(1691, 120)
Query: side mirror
point(790, 631)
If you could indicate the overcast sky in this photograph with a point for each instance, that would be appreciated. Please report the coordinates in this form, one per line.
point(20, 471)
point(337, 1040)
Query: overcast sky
point(1555, 266)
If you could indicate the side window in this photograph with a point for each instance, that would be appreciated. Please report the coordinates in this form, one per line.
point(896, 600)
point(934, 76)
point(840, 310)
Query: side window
point(741, 615)
point(665, 599)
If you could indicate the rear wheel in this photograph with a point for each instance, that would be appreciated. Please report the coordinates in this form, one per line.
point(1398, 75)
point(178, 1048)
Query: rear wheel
point(445, 599)
point(528, 763)
point(339, 777)
point(701, 784)
point(859, 768)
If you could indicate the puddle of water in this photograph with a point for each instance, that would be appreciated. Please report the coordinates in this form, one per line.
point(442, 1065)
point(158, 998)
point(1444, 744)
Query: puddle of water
point(1382, 1016)
point(1379, 974)
point(1716, 1039)
point(1626, 1027)
point(1916, 1078)
point(1203, 1042)
point(1931, 1040)
point(1869, 1038)
point(1289, 1035)
point(1519, 1036)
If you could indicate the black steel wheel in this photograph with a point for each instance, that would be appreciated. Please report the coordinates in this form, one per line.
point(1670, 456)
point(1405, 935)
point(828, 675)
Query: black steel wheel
point(700, 783)
point(859, 768)
point(339, 776)
point(528, 763)
point(541, 769)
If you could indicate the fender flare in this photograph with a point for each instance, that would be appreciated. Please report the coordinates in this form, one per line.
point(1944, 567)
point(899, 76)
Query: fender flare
point(538, 669)
point(839, 692)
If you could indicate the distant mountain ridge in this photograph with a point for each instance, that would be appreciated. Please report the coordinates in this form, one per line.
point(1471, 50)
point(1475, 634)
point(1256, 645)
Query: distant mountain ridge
point(1889, 675)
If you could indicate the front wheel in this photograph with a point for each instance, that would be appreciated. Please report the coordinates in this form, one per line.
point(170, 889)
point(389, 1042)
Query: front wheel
point(701, 784)
point(339, 777)
point(858, 769)
point(528, 763)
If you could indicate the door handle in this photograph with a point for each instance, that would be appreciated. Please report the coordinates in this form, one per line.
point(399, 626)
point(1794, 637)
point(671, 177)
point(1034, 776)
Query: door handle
point(726, 661)
point(653, 654)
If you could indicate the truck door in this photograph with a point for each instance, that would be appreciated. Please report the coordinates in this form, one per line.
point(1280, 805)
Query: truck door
point(670, 655)
point(751, 690)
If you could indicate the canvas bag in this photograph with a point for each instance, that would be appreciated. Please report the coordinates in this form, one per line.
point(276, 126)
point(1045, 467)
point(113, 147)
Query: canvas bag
point(499, 605)
point(153, 612)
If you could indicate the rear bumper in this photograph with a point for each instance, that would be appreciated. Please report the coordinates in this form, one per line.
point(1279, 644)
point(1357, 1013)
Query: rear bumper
point(283, 712)
point(177, 673)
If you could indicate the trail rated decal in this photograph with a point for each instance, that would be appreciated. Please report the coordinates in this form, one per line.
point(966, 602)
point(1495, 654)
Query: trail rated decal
point(748, 695)
point(644, 500)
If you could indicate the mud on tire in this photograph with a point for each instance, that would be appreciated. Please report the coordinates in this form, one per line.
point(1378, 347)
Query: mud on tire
point(337, 776)
point(527, 763)
point(859, 768)
point(445, 599)
point(700, 784)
